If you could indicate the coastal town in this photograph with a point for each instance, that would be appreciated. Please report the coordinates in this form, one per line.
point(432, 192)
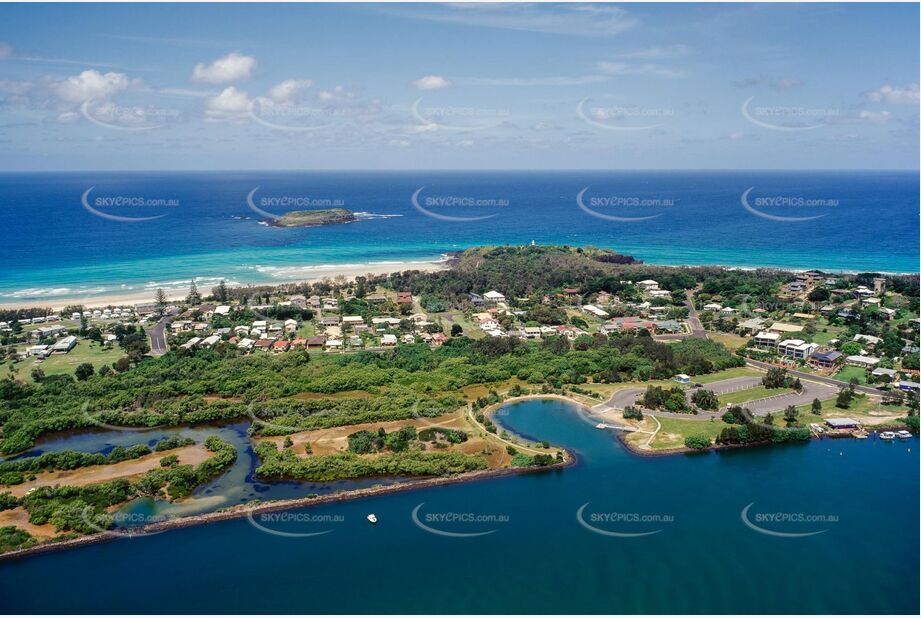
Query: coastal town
point(404, 373)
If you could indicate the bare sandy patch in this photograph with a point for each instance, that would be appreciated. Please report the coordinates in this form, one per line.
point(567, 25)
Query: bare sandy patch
point(90, 475)
point(19, 517)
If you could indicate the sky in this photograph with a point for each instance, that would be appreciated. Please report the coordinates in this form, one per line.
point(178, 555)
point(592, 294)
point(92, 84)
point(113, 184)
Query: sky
point(458, 86)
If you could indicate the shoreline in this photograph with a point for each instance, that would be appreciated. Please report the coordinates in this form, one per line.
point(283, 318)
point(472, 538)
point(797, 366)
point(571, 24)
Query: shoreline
point(349, 271)
point(243, 511)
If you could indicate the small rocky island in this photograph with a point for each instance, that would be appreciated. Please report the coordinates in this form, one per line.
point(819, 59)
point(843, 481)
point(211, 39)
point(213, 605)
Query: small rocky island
point(310, 218)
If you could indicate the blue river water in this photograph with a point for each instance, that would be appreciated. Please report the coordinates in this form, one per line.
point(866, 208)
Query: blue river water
point(537, 556)
point(51, 246)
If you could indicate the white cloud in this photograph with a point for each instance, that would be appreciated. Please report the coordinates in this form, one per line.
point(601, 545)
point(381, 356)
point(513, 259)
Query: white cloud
point(431, 82)
point(232, 67)
point(539, 81)
point(91, 84)
point(657, 53)
point(288, 90)
point(874, 117)
point(626, 68)
point(786, 83)
point(337, 94)
point(228, 105)
point(895, 95)
point(592, 20)
point(6, 50)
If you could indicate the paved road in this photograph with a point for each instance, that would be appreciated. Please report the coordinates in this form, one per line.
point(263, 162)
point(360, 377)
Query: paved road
point(697, 329)
point(158, 346)
point(811, 390)
point(870, 390)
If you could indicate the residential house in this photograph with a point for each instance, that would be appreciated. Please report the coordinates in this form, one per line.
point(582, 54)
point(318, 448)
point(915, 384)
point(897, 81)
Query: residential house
point(494, 297)
point(827, 359)
point(595, 311)
point(797, 348)
point(280, 346)
point(191, 343)
point(404, 298)
point(765, 340)
point(858, 360)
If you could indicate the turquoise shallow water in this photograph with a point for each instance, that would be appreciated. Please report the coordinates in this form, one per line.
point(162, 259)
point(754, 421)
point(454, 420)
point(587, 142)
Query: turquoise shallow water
point(213, 233)
point(539, 557)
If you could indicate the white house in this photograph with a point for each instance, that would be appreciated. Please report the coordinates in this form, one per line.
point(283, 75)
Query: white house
point(859, 360)
point(766, 340)
point(595, 311)
point(388, 340)
point(191, 343)
point(647, 284)
point(494, 297)
point(797, 348)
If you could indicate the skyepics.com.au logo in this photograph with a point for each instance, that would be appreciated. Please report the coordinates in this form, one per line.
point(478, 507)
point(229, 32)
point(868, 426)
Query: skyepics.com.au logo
point(622, 524)
point(458, 524)
point(456, 118)
point(104, 207)
point(123, 524)
point(288, 202)
point(294, 524)
point(623, 208)
point(437, 206)
point(788, 117)
point(787, 524)
point(288, 116)
point(629, 118)
point(784, 203)
point(109, 115)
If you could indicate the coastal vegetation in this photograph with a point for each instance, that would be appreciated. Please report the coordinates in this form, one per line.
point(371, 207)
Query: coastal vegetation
point(285, 463)
point(310, 218)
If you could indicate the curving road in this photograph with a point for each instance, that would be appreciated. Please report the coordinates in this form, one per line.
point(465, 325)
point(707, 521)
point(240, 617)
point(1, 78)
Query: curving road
point(802, 375)
point(158, 346)
point(811, 390)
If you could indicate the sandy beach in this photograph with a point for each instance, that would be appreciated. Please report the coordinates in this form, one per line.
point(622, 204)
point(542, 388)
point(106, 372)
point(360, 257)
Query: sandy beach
point(311, 274)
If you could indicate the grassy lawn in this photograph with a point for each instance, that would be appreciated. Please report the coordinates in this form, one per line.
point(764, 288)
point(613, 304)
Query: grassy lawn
point(823, 338)
point(729, 340)
point(735, 372)
point(84, 352)
point(847, 373)
point(307, 329)
point(750, 394)
point(675, 429)
point(861, 408)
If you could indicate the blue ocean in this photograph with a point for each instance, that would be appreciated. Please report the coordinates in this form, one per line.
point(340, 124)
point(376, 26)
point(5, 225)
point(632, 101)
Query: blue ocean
point(88, 234)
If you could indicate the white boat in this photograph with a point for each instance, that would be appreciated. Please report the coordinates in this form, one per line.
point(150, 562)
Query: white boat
point(903, 434)
point(887, 435)
point(600, 426)
point(372, 518)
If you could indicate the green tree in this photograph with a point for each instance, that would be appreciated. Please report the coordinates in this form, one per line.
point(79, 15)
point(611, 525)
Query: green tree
point(160, 300)
point(816, 406)
point(221, 291)
point(84, 371)
point(697, 442)
point(194, 298)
